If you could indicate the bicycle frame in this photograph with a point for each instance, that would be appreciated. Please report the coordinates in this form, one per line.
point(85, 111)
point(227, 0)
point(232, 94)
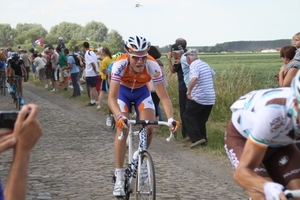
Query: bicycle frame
point(142, 147)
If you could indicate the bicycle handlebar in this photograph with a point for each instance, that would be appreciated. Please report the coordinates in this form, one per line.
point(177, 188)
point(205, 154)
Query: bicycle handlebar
point(290, 194)
point(145, 123)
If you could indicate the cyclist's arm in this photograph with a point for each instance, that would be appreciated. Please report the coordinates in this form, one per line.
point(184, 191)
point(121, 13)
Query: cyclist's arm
point(113, 94)
point(244, 174)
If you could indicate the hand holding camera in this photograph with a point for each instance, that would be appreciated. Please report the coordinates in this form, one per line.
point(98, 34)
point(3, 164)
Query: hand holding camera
point(21, 127)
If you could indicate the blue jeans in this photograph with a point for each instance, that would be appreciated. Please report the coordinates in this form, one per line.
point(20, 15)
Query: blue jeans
point(76, 89)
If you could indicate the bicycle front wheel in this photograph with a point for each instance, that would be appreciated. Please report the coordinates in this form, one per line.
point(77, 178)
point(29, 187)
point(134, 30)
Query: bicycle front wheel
point(145, 182)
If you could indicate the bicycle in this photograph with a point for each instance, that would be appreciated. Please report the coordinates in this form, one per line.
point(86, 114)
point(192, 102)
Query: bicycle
point(3, 82)
point(16, 94)
point(141, 182)
point(290, 194)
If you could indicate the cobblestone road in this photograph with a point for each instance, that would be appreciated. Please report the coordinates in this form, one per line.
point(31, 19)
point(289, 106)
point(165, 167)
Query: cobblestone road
point(74, 158)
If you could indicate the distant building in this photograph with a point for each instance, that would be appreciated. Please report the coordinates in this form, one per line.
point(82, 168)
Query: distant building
point(269, 50)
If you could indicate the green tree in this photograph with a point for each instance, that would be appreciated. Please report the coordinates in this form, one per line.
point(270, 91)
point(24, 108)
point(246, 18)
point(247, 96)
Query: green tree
point(115, 42)
point(95, 31)
point(31, 31)
point(6, 35)
point(66, 30)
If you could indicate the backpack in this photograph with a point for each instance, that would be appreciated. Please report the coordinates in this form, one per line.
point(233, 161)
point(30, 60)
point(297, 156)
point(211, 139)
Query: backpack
point(77, 61)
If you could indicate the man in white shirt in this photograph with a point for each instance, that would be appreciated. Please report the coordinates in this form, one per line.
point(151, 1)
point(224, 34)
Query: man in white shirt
point(91, 72)
point(201, 98)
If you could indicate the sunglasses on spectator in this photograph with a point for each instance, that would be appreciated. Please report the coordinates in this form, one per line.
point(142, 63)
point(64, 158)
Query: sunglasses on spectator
point(139, 57)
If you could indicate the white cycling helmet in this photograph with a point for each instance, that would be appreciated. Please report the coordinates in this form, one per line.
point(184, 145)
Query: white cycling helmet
point(136, 43)
point(60, 38)
point(296, 85)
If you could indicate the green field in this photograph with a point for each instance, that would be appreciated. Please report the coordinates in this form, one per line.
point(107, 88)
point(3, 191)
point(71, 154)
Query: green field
point(236, 74)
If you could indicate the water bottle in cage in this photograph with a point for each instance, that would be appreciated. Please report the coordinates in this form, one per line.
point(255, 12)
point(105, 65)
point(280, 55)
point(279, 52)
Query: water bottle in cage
point(134, 164)
point(143, 139)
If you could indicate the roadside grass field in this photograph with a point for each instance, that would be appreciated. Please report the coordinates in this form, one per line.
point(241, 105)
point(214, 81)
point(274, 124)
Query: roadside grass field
point(236, 74)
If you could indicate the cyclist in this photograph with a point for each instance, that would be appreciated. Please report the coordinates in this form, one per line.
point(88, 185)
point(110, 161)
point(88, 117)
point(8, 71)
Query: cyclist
point(260, 141)
point(130, 75)
point(16, 67)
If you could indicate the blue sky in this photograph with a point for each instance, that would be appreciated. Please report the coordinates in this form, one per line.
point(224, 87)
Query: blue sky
point(200, 22)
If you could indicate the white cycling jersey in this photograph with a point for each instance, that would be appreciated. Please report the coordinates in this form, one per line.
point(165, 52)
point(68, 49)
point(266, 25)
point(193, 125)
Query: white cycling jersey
point(266, 117)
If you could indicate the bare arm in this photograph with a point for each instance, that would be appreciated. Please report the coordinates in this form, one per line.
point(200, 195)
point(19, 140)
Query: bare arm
point(114, 89)
point(169, 54)
point(94, 68)
point(244, 175)
point(27, 132)
point(192, 84)
point(287, 80)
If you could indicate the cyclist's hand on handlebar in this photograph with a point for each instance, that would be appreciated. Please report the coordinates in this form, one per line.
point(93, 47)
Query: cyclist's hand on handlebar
point(122, 122)
point(173, 125)
point(273, 191)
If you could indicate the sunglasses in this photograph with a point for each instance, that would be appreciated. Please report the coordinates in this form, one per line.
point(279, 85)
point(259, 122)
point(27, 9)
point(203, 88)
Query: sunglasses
point(138, 57)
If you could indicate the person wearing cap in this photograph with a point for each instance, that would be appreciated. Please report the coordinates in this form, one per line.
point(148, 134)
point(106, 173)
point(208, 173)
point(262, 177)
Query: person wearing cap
point(200, 98)
point(61, 44)
point(181, 68)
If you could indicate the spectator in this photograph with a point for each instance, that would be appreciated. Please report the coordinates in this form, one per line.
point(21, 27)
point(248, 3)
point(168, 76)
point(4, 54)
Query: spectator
point(107, 59)
point(74, 71)
point(91, 72)
point(177, 51)
point(201, 97)
point(108, 79)
point(62, 61)
point(26, 60)
point(22, 139)
point(31, 59)
point(55, 69)
point(99, 51)
point(3, 59)
point(154, 52)
point(48, 67)
point(40, 64)
point(61, 44)
point(80, 55)
point(290, 67)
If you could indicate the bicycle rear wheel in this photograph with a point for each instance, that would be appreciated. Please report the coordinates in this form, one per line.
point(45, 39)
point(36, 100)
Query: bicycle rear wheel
point(17, 98)
point(145, 182)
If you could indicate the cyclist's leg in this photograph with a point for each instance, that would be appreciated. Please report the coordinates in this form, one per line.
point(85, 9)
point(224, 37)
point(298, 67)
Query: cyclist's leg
point(284, 166)
point(120, 150)
point(145, 109)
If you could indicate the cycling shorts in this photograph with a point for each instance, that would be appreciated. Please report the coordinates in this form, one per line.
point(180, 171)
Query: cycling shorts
point(140, 96)
point(280, 164)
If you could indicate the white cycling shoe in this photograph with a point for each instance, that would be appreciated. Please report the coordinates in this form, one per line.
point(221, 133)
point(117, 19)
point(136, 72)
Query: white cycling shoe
point(119, 189)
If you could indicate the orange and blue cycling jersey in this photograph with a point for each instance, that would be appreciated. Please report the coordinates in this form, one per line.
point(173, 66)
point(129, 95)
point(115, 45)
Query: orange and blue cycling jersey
point(122, 72)
point(133, 87)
